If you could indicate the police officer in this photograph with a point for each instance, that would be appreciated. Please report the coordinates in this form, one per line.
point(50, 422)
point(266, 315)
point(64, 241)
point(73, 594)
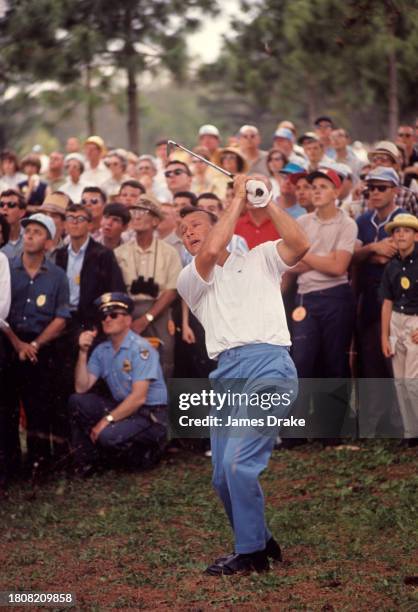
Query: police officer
point(133, 422)
point(38, 312)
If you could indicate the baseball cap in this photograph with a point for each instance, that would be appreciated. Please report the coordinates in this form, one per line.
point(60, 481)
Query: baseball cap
point(248, 128)
point(327, 173)
point(283, 133)
point(208, 130)
point(294, 172)
point(308, 136)
point(43, 220)
point(324, 118)
point(385, 146)
point(402, 220)
point(342, 170)
point(381, 173)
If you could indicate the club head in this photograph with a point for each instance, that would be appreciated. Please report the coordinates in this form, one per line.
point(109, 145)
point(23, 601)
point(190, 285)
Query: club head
point(171, 145)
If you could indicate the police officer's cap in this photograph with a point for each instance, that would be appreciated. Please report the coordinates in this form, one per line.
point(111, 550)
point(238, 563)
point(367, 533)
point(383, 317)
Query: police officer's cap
point(115, 300)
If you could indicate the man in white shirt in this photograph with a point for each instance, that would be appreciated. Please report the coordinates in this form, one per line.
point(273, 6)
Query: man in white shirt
point(95, 172)
point(237, 299)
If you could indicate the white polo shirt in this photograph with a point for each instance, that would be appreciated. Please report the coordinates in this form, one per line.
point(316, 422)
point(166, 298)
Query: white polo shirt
point(241, 303)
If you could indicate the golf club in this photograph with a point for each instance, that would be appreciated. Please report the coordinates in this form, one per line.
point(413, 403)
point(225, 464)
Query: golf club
point(258, 193)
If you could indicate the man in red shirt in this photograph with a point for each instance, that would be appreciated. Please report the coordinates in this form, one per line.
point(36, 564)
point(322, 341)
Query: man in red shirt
point(256, 227)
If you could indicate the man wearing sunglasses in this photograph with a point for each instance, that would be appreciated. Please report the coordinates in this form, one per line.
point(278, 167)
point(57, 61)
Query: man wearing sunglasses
point(132, 424)
point(387, 154)
point(373, 251)
point(94, 199)
point(13, 209)
point(91, 268)
point(178, 176)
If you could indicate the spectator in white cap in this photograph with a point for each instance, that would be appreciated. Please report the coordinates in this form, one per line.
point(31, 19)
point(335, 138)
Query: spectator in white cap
point(249, 144)
point(74, 185)
point(283, 141)
point(95, 172)
point(209, 137)
point(117, 162)
point(386, 154)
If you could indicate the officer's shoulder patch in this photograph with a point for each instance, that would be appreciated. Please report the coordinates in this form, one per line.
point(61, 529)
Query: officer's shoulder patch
point(144, 353)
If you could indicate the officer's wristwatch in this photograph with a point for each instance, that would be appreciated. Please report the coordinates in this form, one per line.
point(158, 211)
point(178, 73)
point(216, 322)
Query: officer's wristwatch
point(109, 418)
point(149, 317)
point(35, 345)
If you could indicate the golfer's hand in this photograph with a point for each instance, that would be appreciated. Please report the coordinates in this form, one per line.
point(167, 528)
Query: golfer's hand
point(240, 191)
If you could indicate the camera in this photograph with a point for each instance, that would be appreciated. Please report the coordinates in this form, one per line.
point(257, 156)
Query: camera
point(147, 287)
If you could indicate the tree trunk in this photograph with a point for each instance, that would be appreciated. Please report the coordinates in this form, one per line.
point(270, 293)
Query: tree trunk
point(133, 120)
point(132, 89)
point(90, 118)
point(311, 99)
point(393, 103)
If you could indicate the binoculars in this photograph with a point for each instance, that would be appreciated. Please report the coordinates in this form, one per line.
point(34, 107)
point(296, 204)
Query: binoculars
point(147, 287)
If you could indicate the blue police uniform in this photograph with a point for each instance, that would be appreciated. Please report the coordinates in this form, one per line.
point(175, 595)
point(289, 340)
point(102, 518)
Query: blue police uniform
point(35, 303)
point(130, 437)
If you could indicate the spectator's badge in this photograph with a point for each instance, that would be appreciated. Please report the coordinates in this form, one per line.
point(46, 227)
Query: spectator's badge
point(299, 314)
point(127, 366)
point(41, 300)
point(144, 354)
point(405, 282)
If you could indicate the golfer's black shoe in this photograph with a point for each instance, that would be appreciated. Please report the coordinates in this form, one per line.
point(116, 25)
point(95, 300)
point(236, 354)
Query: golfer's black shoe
point(240, 564)
point(272, 551)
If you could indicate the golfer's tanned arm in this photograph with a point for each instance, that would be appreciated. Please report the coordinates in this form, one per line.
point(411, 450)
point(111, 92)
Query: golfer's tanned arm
point(294, 244)
point(217, 240)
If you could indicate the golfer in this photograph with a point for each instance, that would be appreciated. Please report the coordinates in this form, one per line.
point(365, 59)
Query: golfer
point(237, 299)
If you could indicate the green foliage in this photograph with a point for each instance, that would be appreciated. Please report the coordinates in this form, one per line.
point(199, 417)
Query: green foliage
point(80, 42)
point(297, 58)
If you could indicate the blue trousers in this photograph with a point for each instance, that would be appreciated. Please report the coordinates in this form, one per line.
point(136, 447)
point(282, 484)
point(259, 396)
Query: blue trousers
point(321, 342)
point(239, 455)
point(124, 436)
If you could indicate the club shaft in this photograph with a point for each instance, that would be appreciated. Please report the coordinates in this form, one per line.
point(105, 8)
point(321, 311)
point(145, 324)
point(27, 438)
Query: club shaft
point(203, 159)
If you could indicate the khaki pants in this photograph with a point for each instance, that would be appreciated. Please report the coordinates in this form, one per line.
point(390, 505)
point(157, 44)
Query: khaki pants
point(405, 369)
point(158, 328)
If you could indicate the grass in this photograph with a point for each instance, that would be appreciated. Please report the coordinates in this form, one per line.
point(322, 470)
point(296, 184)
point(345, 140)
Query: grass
point(346, 521)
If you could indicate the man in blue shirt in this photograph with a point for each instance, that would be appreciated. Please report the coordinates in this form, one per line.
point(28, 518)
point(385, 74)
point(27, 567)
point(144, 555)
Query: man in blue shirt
point(375, 248)
point(38, 311)
point(133, 422)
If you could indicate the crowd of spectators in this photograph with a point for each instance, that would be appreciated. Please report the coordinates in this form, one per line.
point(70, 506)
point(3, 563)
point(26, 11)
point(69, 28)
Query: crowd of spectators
point(94, 221)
